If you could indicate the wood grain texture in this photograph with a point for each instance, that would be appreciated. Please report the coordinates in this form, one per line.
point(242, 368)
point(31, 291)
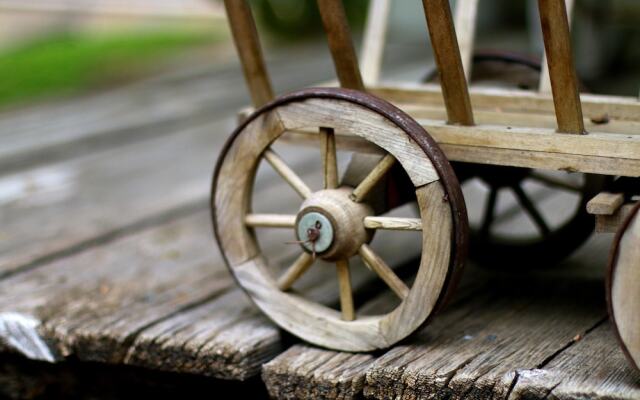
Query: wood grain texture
point(605, 203)
point(534, 337)
point(447, 55)
point(303, 372)
point(245, 36)
point(103, 304)
point(616, 107)
point(343, 53)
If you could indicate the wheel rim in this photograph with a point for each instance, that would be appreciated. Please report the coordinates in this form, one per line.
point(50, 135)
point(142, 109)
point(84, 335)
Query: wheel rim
point(621, 286)
point(407, 144)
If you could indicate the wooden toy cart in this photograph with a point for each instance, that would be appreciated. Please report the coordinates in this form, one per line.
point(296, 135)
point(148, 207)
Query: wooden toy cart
point(405, 139)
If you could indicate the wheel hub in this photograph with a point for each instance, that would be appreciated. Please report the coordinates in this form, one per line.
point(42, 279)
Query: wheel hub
point(331, 225)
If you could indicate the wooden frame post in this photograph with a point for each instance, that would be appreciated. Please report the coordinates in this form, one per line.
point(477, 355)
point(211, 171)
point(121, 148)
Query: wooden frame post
point(335, 24)
point(562, 73)
point(545, 83)
point(447, 55)
point(245, 36)
point(374, 40)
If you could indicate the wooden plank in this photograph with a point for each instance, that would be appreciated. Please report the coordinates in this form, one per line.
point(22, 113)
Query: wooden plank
point(516, 337)
point(305, 372)
point(605, 203)
point(565, 376)
point(595, 106)
point(465, 23)
point(374, 40)
point(155, 298)
point(545, 81)
point(600, 153)
point(343, 53)
point(564, 83)
point(245, 36)
point(447, 55)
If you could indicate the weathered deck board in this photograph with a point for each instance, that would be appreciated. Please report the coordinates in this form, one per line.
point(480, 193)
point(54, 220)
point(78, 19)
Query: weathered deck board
point(509, 337)
point(66, 206)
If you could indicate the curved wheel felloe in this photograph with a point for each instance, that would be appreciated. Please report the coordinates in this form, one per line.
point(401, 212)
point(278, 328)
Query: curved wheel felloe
point(336, 223)
point(623, 286)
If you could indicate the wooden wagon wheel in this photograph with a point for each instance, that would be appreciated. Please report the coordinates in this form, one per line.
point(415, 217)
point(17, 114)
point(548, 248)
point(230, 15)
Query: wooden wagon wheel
point(623, 286)
point(336, 222)
point(545, 240)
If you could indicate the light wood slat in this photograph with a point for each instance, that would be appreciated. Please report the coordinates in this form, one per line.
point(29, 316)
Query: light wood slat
point(270, 220)
point(346, 295)
point(465, 23)
point(344, 56)
point(545, 82)
point(374, 40)
point(245, 36)
point(295, 271)
point(595, 106)
point(605, 203)
point(468, 145)
point(562, 73)
point(329, 158)
point(287, 173)
point(447, 55)
point(385, 272)
point(369, 182)
point(393, 223)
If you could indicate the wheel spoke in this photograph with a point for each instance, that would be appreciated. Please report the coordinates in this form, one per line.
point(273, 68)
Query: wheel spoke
point(533, 212)
point(489, 212)
point(295, 271)
point(346, 297)
point(329, 158)
point(270, 220)
point(385, 272)
point(369, 182)
point(287, 173)
point(555, 182)
point(393, 223)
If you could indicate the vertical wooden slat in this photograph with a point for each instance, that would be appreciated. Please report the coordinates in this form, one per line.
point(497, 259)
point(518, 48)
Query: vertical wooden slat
point(245, 36)
point(465, 24)
point(374, 40)
point(564, 84)
point(344, 56)
point(545, 83)
point(447, 54)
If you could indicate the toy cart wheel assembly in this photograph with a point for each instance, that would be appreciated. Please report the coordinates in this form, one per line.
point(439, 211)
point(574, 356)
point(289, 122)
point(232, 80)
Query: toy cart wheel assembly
point(337, 222)
point(511, 139)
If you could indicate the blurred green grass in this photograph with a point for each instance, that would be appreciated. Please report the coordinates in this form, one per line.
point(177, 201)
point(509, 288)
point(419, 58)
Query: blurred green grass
point(69, 63)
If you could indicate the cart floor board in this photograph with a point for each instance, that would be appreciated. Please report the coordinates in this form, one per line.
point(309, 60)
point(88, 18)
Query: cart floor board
point(107, 256)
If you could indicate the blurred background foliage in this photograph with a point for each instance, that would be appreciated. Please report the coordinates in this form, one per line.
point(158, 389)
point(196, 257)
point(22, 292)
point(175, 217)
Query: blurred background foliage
point(44, 53)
